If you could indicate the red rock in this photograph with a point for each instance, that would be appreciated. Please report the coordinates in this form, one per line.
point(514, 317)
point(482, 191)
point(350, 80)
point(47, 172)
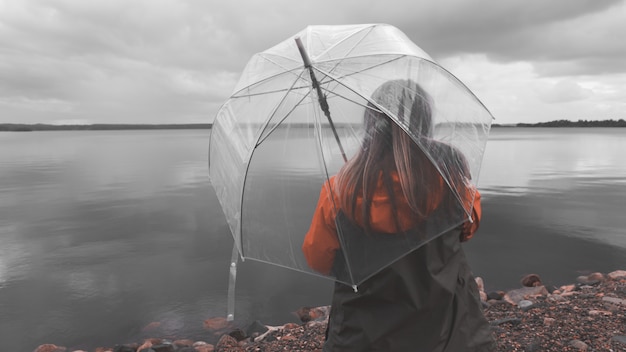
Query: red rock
point(50, 348)
point(217, 323)
point(480, 283)
point(306, 314)
point(152, 326)
point(596, 276)
point(617, 275)
point(103, 349)
point(289, 338)
point(548, 321)
point(146, 344)
point(228, 343)
point(205, 348)
point(290, 326)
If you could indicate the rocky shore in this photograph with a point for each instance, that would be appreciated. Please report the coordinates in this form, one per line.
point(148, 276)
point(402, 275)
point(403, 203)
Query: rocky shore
point(588, 315)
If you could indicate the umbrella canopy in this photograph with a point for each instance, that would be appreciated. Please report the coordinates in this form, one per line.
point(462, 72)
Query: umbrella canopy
point(273, 147)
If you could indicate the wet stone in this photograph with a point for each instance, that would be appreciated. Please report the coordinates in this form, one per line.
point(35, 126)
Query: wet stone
point(621, 339)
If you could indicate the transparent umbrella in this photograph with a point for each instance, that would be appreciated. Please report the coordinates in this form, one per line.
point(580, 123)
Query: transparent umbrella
point(296, 117)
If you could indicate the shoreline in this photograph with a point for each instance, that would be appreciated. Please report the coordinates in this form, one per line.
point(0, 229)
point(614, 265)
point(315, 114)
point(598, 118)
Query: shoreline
point(589, 314)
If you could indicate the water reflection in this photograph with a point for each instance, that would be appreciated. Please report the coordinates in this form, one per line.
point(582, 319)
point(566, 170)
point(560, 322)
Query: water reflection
point(553, 160)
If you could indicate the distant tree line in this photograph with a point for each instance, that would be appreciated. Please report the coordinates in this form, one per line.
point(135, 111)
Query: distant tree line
point(16, 127)
point(579, 123)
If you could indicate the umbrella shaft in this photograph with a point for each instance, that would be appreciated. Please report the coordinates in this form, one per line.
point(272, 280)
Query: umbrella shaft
point(320, 96)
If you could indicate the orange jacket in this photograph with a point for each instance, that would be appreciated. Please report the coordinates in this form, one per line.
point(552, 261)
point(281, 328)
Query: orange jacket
point(320, 242)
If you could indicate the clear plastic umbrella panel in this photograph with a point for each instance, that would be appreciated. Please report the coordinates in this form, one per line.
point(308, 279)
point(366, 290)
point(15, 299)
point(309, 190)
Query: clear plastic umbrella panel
point(274, 145)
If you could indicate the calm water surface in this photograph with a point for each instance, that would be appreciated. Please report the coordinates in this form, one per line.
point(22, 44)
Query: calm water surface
point(105, 232)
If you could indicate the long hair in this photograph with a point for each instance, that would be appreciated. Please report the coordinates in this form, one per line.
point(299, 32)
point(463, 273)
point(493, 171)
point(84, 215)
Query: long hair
point(390, 146)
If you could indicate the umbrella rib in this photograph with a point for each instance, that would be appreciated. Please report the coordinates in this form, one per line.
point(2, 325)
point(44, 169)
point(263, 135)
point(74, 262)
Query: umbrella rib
point(328, 74)
point(351, 49)
point(245, 175)
point(264, 80)
point(370, 28)
point(261, 140)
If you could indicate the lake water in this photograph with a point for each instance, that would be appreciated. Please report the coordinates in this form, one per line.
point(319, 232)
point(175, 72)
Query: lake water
point(105, 232)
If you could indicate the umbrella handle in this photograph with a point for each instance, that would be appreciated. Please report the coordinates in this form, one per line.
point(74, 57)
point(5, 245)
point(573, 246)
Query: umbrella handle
point(320, 96)
point(232, 281)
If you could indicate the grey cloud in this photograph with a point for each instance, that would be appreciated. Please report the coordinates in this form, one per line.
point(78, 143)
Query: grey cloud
point(179, 59)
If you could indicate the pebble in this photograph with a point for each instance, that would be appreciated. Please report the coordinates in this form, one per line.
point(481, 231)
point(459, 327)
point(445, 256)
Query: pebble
point(524, 303)
point(581, 346)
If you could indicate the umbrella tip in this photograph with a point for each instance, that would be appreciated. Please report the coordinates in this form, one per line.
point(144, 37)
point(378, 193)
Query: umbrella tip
point(305, 56)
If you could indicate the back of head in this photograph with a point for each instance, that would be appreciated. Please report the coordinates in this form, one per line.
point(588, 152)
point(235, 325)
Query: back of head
point(407, 102)
point(398, 115)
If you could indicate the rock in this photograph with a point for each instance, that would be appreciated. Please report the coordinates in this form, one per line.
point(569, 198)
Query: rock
point(124, 348)
point(290, 326)
point(591, 279)
point(617, 275)
point(514, 296)
point(531, 280)
point(164, 347)
point(238, 334)
point(556, 298)
point(596, 276)
point(199, 343)
point(620, 338)
point(599, 312)
point(579, 345)
point(614, 303)
point(229, 343)
point(524, 303)
point(480, 283)
point(306, 314)
point(483, 296)
point(255, 329)
point(50, 348)
point(145, 346)
point(205, 348)
point(497, 295)
point(548, 321)
point(151, 327)
point(217, 323)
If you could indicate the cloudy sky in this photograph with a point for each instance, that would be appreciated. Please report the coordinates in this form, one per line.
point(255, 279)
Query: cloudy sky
point(176, 61)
